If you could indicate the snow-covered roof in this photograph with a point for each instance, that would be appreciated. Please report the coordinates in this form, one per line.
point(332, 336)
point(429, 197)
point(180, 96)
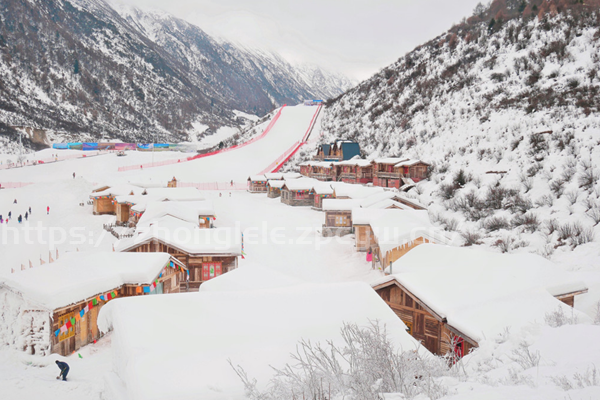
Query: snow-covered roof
point(480, 292)
point(398, 227)
point(323, 188)
point(324, 164)
point(277, 176)
point(188, 211)
point(77, 276)
point(257, 178)
point(250, 277)
point(340, 204)
point(195, 241)
point(119, 190)
point(389, 160)
point(276, 183)
point(376, 198)
point(363, 216)
point(292, 175)
point(389, 203)
point(355, 162)
point(354, 191)
point(300, 184)
point(409, 163)
point(254, 328)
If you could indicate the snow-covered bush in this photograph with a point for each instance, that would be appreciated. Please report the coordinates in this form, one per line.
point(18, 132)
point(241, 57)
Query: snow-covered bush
point(471, 238)
point(364, 368)
point(524, 357)
point(558, 318)
point(591, 377)
point(492, 224)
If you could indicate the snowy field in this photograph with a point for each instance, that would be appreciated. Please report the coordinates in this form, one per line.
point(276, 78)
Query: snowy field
point(279, 239)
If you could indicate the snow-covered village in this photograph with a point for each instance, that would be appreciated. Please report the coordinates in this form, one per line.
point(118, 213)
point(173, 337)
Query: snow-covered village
point(409, 210)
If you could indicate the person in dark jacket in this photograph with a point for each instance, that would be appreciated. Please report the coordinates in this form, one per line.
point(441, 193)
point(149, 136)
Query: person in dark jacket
point(64, 370)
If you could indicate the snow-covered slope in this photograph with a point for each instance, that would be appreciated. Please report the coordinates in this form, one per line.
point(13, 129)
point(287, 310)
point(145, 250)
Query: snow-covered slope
point(514, 105)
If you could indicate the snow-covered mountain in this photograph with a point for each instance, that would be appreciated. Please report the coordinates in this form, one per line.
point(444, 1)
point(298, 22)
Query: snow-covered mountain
point(86, 69)
point(506, 105)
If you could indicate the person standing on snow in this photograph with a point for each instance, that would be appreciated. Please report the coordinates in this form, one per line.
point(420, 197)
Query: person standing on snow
point(9, 215)
point(48, 210)
point(64, 370)
point(26, 215)
point(20, 218)
point(73, 175)
point(29, 210)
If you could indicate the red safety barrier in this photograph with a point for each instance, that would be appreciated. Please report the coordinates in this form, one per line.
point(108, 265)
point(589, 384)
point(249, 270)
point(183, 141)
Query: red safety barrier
point(169, 162)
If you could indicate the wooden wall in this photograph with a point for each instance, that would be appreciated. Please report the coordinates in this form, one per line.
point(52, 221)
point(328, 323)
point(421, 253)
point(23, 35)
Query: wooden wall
point(423, 326)
point(103, 205)
point(273, 192)
point(364, 238)
point(291, 198)
point(123, 212)
point(338, 218)
point(192, 262)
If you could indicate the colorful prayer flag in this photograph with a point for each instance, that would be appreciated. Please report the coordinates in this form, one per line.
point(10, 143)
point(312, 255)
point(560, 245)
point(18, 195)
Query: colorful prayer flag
point(102, 298)
point(138, 289)
point(73, 321)
point(82, 313)
point(90, 305)
point(56, 332)
point(69, 325)
point(63, 328)
point(86, 309)
point(77, 317)
point(114, 294)
point(146, 289)
point(95, 302)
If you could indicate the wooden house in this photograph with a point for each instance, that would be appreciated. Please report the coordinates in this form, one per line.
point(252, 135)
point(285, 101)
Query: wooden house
point(200, 214)
point(323, 171)
point(274, 188)
point(355, 171)
point(129, 209)
point(306, 168)
point(206, 253)
point(253, 320)
point(415, 170)
point(54, 308)
point(321, 191)
point(338, 151)
point(298, 192)
point(396, 232)
point(257, 184)
point(104, 197)
point(385, 173)
point(451, 298)
point(338, 216)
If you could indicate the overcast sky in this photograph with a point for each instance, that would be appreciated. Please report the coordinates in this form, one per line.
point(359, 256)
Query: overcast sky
point(355, 37)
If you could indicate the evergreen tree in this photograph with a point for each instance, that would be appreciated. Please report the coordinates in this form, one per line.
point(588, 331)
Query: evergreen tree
point(491, 25)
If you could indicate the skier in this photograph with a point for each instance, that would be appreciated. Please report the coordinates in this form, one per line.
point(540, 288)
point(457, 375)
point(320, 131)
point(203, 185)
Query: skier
point(15, 202)
point(48, 210)
point(1, 219)
point(9, 215)
point(73, 175)
point(20, 218)
point(29, 210)
point(26, 215)
point(64, 370)
point(232, 182)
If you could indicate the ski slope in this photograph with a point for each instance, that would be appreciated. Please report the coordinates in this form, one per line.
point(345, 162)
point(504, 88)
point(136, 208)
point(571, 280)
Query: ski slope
point(236, 164)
